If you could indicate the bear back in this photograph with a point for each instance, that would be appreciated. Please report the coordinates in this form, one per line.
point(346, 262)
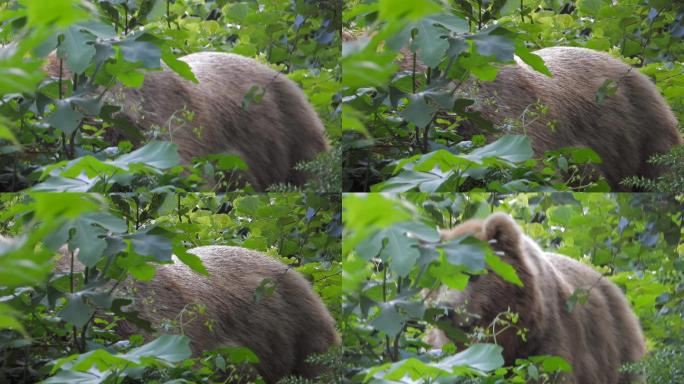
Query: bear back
point(215, 116)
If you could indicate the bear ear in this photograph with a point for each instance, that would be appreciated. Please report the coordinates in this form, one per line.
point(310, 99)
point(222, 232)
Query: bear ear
point(470, 227)
point(504, 232)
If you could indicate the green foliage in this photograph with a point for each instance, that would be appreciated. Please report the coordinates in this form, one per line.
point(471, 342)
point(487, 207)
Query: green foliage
point(393, 255)
point(63, 325)
point(407, 121)
point(60, 133)
point(671, 181)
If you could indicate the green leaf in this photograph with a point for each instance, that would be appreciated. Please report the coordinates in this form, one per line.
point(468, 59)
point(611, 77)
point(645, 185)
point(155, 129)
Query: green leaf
point(89, 240)
point(157, 154)
point(498, 46)
point(513, 148)
point(76, 311)
point(590, 7)
point(429, 43)
point(578, 296)
point(390, 321)
point(179, 66)
point(368, 69)
point(560, 215)
point(479, 65)
point(503, 269)
point(406, 181)
point(407, 10)
point(265, 289)
point(371, 246)
point(483, 357)
point(534, 61)
point(8, 319)
point(169, 348)
point(255, 94)
point(191, 260)
point(608, 88)
point(419, 112)
point(65, 118)
point(510, 7)
point(143, 52)
point(76, 48)
point(468, 251)
point(61, 13)
point(364, 214)
point(71, 377)
point(401, 251)
point(239, 355)
point(156, 246)
point(238, 11)
point(552, 363)
point(17, 77)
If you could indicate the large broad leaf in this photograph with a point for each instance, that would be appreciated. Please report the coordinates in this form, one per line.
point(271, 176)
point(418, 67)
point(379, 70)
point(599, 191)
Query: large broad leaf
point(169, 348)
point(398, 372)
point(180, 67)
point(400, 245)
point(158, 154)
point(406, 181)
point(18, 77)
point(238, 355)
point(100, 364)
point(65, 118)
point(407, 10)
point(590, 7)
point(8, 319)
point(71, 377)
point(156, 246)
point(62, 184)
point(60, 13)
point(419, 112)
point(76, 311)
point(390, 321)
point(430, 40)
point(144, 52)
point(191, 260)
point(513, 148)
point(503, 269)
point(400, 250)
point(483, 357)
point(368, 69)
point(444, 160)
point(90, 242)
point(498, 46)
point(89, 235)
point(76, 49)
point(469, 252)
point(361, 222)
point(534, 61)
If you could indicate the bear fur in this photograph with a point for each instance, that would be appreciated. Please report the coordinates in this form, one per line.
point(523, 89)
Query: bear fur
point(625, 130)
point(282, 329)
point(596, 337)
point(271, 136)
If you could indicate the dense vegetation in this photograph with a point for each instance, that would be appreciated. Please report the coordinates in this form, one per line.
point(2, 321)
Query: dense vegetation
point(55, 133)
point(48, 329)
point(405, 61)
point(389, 253)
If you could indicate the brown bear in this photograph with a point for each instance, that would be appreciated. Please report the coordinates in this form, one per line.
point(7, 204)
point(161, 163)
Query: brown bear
point(271, 135)
point(595, 337)
point(282, 329)
point(625, 129)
